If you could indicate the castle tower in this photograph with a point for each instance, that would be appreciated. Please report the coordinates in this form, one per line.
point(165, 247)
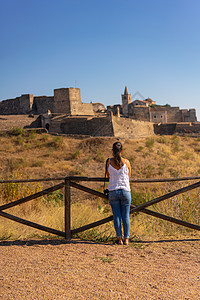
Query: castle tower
point(66, 100)
point(126, 100)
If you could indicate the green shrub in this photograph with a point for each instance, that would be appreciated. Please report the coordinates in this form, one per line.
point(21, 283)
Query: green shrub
point(58, 142)
point(187, 156)
point(161, 169)
point(38, 163)
point(174, 173)
point(55, 198)
point(15, 190)
point(175, 144)
point(19, 140)
point(76, 154)
point(162, 140)
point(16, 163)
point(149, 142)
point(149, 171)
point(44, 137)
point(32, 134)
point(132, 159)
point(99, 156)
point(140, 148)
point(16, 131)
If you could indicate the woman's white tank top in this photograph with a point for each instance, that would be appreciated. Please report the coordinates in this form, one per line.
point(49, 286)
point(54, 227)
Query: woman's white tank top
point(118, 179)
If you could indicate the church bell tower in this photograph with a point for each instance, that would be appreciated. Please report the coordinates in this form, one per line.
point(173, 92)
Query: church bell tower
point(126, 100)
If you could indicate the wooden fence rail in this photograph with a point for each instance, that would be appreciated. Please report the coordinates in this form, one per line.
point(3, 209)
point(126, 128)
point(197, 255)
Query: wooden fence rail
point(70, 181)
point(100, 179)
point(140, 207)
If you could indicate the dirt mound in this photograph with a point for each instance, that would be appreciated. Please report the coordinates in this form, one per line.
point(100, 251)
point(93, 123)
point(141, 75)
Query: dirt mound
point(94, 143)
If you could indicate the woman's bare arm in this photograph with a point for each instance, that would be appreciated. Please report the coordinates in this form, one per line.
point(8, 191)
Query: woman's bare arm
point(107, 173)
point(129, 167)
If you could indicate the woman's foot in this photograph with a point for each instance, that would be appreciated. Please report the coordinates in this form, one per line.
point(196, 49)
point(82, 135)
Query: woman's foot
point(126, 241)
point(119, 241)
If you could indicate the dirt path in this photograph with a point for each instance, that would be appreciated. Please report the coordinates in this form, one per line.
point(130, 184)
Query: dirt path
point(82, 270)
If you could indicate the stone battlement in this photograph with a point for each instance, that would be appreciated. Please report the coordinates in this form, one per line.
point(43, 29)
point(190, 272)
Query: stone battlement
point(66, 113)
point(65, 100)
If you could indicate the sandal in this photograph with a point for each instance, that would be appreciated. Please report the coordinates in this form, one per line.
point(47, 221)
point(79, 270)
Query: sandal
point(119, 241)
point(126, 241)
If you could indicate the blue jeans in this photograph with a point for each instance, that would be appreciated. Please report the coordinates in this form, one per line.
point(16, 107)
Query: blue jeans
point(120, 201)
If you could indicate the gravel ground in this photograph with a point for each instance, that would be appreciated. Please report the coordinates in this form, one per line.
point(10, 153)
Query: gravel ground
point(9, 121)
point(55, 269)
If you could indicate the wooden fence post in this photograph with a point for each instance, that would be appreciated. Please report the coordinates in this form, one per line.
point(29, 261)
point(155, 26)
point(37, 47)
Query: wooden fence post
point(67, 210)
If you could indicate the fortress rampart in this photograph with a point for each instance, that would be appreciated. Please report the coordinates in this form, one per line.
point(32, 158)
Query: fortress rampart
point(161, 114)
point(41, 104)
point(101, 126)
point(65, 100)
point(18, 106)
point(183, 128)
point(68, 101)
point(66, 113)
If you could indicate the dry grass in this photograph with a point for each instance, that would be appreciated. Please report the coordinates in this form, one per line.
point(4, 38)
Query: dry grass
point(32, 155)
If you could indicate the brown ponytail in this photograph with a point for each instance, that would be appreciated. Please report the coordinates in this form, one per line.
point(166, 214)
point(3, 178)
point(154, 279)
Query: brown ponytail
point(117, 149)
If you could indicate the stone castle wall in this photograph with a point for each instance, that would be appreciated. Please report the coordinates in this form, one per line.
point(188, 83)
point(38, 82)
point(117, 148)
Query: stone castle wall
point(165, 114)
point(173, 114)
point(67, 108)
point(68, 101)
point(65, 101)
point(187, 128)
point(93, 126)
point(140, 113)
point(161, 114)
point(177, 128)
point(41, 104)
point(17, 106)
point(189, 115)
point(128, 128)
point(61, 101)
point(102, 126)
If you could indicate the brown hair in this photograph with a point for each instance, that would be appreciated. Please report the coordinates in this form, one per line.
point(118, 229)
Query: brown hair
point(117, 149)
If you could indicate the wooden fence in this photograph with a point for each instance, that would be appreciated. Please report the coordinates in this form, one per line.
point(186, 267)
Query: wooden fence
point(71, 181)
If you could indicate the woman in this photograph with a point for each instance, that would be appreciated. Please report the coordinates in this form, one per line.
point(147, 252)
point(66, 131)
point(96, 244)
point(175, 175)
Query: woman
point(118, 170)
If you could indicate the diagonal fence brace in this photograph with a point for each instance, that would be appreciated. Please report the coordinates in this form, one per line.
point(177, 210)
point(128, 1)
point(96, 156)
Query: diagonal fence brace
point(166, 196)
point(32, 224)
point(140, 207)
point(31, 197)
point(87, 190)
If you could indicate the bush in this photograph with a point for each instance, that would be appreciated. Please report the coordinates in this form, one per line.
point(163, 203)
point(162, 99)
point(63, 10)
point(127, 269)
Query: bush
point(57, 142)
point(140, 148)
point(99, 156)
point(38, 163)
point(162, 140)
point(149, 142)
point(16, 131)
point(76, 154)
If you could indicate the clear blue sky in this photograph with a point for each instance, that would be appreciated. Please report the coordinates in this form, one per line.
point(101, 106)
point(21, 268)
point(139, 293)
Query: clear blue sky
point(152, 46)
